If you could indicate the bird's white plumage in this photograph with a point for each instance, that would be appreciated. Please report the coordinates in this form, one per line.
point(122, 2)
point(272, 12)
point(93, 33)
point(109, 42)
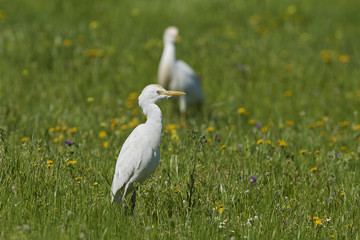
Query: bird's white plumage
point(140, 153)
point(176, 74)
point(135, 163)
point(186, 80)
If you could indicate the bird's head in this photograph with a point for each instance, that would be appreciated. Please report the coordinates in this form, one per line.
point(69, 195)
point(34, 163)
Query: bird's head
point(171, 35)
point(154, 93)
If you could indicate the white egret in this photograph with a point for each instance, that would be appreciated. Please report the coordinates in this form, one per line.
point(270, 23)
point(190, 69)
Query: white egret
point(140, 153)
point(178, 75)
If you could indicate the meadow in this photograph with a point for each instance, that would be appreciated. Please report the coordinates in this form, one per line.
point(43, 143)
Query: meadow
point(275, 153)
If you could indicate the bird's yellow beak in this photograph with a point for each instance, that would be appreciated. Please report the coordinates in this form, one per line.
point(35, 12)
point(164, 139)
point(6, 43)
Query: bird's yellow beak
point(171, 93)
point(177, 38)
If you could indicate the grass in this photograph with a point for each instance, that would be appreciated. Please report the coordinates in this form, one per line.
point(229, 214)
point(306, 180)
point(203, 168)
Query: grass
point(280, 78)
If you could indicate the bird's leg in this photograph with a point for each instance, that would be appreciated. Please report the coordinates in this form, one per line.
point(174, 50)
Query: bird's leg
point(182, 100)
point(123, 205)
point(183, 119)
point(133, 201)
point(123, 198)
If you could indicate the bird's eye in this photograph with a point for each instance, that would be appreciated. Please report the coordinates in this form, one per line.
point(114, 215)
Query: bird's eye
point(158, 92)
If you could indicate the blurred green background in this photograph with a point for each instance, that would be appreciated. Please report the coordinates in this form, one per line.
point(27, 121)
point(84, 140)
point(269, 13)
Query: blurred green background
point(270, 71)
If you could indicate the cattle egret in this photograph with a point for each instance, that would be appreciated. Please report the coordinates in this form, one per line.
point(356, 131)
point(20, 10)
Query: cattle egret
point(140, 153)
point(178, 75)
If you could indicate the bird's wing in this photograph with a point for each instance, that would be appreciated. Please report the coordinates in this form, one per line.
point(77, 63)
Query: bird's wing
point(129, 160)
point(186, 80)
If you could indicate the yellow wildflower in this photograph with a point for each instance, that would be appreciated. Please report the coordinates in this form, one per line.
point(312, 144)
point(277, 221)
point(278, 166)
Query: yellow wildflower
point(56, 140)
point(94, 53)
point(242, 111)
point(345, 123)
point(332, 236)
point(343, 148)
point(57, 128)
point(252, 122)
point(264, 129)
point(64, 128)
point(259, 141)
point(326, 55)
point(123, 127)
point(134, 122)
point(223, 147)
point(2, 14)
point(170, 127)
point(72, 130)
point(90, 99)
point(25, 72)
point(78, 178)
point(102, 134)
point(289, 122)
point(174, 136)
point(114, 123)
point(209, 129)
point(302, 151)
point(220, 208)
point(72, 162)
point(67, 42)
point(357, 127)
point(24, 139)
point(317, 220)
point(317, 151)
point(175, 191)
point(314, 169)
point(282, 143)
point(130, 104)
point(135, 111)
point(49, 163)
point(319, 123)
point(132, 96)
point(288, 67)
point(52, 129)
point(344, 58)
point(105, 144)
point(288, 93)
point(88, 169)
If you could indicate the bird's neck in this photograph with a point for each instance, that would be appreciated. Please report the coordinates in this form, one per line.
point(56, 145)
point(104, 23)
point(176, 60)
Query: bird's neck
point(169, 52)
point(154, 117)
point(166, 63)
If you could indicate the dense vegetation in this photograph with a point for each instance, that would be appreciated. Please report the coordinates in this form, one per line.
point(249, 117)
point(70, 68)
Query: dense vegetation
point(274, 154)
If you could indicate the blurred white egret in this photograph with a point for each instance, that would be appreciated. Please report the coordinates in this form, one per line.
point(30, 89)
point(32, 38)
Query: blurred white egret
point(178, 75)
point(140, 153)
